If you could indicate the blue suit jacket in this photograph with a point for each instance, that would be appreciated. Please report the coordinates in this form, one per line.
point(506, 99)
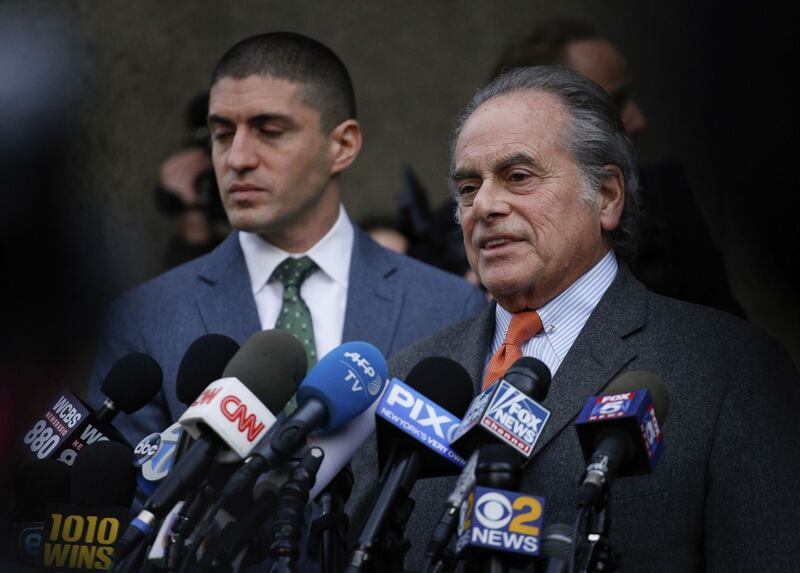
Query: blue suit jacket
point(392, 301)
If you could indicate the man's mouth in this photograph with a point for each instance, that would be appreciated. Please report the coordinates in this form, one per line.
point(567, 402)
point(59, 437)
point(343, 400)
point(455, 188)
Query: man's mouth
point(496, 243)
point(243, 188)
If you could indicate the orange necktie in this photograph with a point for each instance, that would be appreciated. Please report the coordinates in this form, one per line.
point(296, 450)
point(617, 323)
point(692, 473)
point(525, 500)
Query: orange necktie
point(524, 326)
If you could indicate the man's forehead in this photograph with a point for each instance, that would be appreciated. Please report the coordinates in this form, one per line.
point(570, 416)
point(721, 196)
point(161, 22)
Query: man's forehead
point(511, 124)
point(253, 88)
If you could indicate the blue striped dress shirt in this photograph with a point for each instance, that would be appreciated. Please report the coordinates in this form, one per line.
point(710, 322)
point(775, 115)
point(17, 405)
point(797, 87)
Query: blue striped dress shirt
point(562, 318)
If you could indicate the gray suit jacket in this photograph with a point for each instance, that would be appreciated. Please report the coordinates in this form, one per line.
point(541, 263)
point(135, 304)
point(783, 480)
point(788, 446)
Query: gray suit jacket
point(392, 300)
point(726, 494)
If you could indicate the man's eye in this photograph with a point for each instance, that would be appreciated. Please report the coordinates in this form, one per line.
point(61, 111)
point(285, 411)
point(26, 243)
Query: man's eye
point(221, 135)
point(518, 176)
point(467, 189)
point(272, 131)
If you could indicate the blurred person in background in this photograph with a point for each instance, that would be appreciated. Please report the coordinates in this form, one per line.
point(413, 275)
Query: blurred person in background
point(187, 191)
point(676, 255)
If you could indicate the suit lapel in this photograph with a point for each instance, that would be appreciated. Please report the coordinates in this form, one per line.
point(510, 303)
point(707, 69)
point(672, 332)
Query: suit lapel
point(473, 344)
point(374, 301)
point(225, 300)
point(599, 353)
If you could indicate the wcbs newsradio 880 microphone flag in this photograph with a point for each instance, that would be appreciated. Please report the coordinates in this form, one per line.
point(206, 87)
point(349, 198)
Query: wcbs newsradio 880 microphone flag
point(69, 425)
point(413, 432)
point(343, 384)
point(226, 421)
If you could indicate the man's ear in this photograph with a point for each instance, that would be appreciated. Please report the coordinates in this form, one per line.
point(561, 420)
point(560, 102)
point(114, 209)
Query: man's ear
point(345, 143)
point(612, 198)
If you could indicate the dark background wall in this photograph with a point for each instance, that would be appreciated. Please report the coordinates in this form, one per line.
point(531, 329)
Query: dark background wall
point(710, 76)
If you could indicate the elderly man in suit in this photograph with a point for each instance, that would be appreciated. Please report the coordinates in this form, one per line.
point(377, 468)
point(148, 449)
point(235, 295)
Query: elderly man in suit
point(283, 125)
point(545, 179)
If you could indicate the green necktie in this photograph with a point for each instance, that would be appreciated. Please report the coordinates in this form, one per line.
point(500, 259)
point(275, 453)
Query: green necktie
point(294, 315)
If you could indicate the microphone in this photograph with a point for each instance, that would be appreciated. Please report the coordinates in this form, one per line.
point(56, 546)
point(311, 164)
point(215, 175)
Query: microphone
point(527, 375)
point(343, 384)
point(82, 534)
point(499, 526)
point(413, 433)
point(226, 420)
point(508, 410)
point(36, 485)
point(556, 549)
point(619, 433)
point(132, 382)
point(204, 361)
point(69, 425)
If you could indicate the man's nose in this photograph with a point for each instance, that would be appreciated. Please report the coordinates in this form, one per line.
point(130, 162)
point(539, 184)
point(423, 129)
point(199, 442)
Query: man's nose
point(489, 201)
point(242, 155)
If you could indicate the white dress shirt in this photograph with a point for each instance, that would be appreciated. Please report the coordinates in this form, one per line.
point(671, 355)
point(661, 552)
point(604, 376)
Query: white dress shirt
point(324, 291)
point(563, 317)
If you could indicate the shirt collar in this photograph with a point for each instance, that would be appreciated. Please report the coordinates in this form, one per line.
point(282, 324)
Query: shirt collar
point(564, 316)
point(331, 254)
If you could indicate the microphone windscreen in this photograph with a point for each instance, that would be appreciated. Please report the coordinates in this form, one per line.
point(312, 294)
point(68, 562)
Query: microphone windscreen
point(641, 379)
point(104, 475)
point(530, 376)
point(348, 379)
point(132, 382)
point(271, 364)
point(443, 381)
point(204, 362)
point(37, 484)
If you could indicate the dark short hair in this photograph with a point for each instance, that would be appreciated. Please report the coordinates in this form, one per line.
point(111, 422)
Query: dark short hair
point(594, 135)
point(545, 45)
point(296, 58)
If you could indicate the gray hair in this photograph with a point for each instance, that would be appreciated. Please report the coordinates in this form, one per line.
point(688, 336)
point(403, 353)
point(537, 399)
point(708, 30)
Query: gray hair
point(594, 136)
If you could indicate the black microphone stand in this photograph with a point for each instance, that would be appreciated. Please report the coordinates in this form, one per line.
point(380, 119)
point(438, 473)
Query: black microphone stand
point(290, 513)
point(327, 538)
point(382, 546)
point(593, 553)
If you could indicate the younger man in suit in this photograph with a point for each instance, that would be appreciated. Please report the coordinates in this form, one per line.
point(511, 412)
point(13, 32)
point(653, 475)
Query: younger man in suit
point(283, 125)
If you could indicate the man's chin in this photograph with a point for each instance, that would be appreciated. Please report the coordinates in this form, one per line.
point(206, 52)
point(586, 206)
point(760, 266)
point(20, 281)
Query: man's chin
point(247, 224)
